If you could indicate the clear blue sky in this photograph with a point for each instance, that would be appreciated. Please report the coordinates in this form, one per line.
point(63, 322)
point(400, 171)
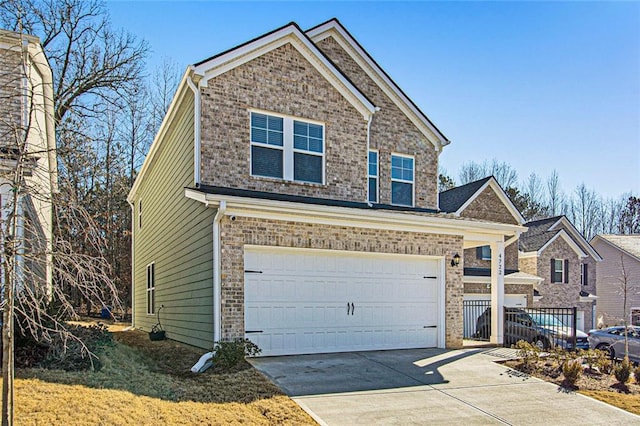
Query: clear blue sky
point(541, 86)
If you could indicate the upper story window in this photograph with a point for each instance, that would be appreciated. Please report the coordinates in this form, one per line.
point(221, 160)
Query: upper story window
point(373, 176)
point(559, 271)
point(286, 148)
point(402, 180)
point(584, 274)
point(140, 214)
point(483, 253)
point(151, 288)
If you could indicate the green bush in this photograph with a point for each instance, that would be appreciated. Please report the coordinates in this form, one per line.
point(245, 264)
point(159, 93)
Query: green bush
point(229, 353)
point(636, 374)
point(622, 371)
point(572, 371)
point(68, 353)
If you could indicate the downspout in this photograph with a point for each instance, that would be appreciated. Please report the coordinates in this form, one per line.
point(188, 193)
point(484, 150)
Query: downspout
point(196, 130)
point(217, 274)
point(369, 121)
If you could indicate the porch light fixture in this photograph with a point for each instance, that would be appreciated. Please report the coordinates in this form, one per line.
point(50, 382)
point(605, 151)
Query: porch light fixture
point(456, 260)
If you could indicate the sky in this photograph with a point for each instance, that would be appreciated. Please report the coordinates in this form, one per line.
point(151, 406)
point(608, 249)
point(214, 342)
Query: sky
point(541, 86)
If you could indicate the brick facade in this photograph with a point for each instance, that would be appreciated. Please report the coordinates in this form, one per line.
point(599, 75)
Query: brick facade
point(391, 132)
point(510, 258)
point(236, 234)
point(488, 206)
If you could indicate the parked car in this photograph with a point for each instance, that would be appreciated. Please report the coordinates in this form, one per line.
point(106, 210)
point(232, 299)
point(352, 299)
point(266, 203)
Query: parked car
point(612, 339)
point(535, 326)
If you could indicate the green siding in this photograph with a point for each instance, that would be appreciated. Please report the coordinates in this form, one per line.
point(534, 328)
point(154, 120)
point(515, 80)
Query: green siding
point(177, 235)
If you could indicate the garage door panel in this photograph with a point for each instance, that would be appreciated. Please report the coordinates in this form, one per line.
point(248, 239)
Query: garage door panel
point(300, 301)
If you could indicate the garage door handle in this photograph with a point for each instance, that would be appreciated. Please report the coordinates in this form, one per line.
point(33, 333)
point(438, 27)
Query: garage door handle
point(430, 326)
point(252, 331)
point(353, 308)
point(350, 308)
point(430, 278)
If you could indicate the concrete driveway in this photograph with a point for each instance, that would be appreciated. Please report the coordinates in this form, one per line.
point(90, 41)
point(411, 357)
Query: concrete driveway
point(429, 386)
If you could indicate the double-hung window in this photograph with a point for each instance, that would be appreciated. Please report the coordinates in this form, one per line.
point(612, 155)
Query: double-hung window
point(402, 178)
point(483, 253)
point(151, 288)
point(287, 148)
point(584, 274)
point(373, 176)
point(559, 271)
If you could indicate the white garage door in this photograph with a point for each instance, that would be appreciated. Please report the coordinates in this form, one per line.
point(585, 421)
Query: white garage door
point(308, 301)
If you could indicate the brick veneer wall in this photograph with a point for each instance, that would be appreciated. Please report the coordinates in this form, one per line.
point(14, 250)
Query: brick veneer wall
point(510, 258)
point(391, 132)
point(284, 82)
point(253, 231)
point(481, 288)
point(558, 294)
point(487, 206)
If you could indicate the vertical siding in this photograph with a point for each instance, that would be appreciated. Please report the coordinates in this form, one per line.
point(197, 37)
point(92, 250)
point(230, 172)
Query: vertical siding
point(176, 234)
point(609, 284)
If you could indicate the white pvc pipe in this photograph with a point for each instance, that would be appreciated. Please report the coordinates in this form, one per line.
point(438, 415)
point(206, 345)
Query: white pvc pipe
point(217, 275)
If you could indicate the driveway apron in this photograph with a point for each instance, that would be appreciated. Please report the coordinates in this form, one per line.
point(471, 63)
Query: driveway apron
point(429, 386)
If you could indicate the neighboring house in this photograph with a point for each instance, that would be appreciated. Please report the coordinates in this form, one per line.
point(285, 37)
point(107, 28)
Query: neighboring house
point(26, 116)
point(554, 250)
point(620, 258)
point(290, 197)
point(486, 200)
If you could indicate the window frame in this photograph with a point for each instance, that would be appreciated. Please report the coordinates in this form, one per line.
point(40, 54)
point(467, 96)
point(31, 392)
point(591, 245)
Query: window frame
point(140, 213)
point(481, 251)
point(584, 277)
point(561, 271)
point(412, 181)
point(151, 288)
point(288, 148)
point(375, 176)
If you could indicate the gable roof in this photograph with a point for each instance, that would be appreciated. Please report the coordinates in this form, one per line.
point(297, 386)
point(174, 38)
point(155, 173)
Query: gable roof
point(456, 200)
point(287, 34)
point(333, 27)
point(543, 232)
point(629, 244)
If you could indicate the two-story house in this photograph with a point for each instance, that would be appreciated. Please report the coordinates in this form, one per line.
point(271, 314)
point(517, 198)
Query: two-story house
point(27, 137)
point(290, 197)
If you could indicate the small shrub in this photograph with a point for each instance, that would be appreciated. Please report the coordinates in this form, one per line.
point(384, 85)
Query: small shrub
point(603, 361)
point(529, 353)
point(229, 353)
point(636, 374)
point(572, 371)
point(622, 371)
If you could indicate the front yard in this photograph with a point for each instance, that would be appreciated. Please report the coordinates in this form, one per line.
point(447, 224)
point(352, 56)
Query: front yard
point(144, 382)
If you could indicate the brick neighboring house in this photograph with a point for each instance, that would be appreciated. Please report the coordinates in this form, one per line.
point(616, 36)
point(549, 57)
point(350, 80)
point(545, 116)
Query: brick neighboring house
point(617, 251)
point(290, 197)
point(554, 250)
point(26, 90)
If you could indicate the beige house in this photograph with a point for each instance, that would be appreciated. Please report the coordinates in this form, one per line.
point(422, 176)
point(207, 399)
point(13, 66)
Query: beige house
point(27, 125)
point(290, 197)
point(620, 264)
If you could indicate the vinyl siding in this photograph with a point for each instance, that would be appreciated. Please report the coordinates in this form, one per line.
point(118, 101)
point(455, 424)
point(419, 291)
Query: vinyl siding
point(609, 284)
point(176, 234)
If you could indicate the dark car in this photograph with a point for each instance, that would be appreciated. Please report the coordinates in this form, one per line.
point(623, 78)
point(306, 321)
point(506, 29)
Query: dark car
point(538, 327)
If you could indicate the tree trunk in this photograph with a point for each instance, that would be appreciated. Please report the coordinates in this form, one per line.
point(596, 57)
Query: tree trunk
point(7, 354)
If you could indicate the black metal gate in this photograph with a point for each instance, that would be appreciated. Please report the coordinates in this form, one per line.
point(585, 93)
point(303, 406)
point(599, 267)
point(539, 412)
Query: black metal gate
point(475, 314)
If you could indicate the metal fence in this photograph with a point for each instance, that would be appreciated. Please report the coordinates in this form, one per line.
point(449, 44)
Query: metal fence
point(544, 327)
point(476, 314)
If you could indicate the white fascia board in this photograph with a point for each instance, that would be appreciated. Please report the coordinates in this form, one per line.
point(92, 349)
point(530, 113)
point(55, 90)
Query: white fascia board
point(470, 279)
point(183, 88)
point(301, 43)
point(576, 236)
point(346, 216)
point(376, 74)
point(501, 194)
point(562, 234)
point(528, 254)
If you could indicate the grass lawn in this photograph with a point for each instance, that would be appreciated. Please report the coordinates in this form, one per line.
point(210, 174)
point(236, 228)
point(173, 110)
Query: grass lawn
point(143, 382)
point(628, 402)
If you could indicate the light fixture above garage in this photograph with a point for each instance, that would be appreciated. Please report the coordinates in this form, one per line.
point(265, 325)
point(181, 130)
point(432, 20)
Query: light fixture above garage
point(456, 260)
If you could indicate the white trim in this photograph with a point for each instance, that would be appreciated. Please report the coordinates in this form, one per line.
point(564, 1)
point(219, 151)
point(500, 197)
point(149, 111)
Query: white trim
point(150, 289)
point(292, 35)
point(362, 218)
point(497, 189)
point(568, 240)
point(588, 299)
point(217, 273)
point(528, 254)
point(576, 236)
point(197, 122)
point(508, 279)
point(564, 272)
point(442, 318)
point(402, 180)
point(349, 45)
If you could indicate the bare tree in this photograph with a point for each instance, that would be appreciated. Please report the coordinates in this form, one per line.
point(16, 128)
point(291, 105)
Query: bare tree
point(506, 175)
point(629, 222)
point(585, 211)
point(445, 182)
point(163, 86)
point(554, 194)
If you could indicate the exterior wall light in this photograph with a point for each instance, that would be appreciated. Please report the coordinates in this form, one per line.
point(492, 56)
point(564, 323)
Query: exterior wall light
point(456, 260)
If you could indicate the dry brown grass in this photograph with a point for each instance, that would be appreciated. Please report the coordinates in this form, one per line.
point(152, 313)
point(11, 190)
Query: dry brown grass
point(627, 402)
point(144, 382)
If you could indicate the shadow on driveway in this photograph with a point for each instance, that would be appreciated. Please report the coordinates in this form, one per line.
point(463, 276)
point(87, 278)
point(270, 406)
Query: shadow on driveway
point(303, 375)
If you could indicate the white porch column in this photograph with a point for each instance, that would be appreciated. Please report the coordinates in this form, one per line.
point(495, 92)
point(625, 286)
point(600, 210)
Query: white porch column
point(497, 292)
